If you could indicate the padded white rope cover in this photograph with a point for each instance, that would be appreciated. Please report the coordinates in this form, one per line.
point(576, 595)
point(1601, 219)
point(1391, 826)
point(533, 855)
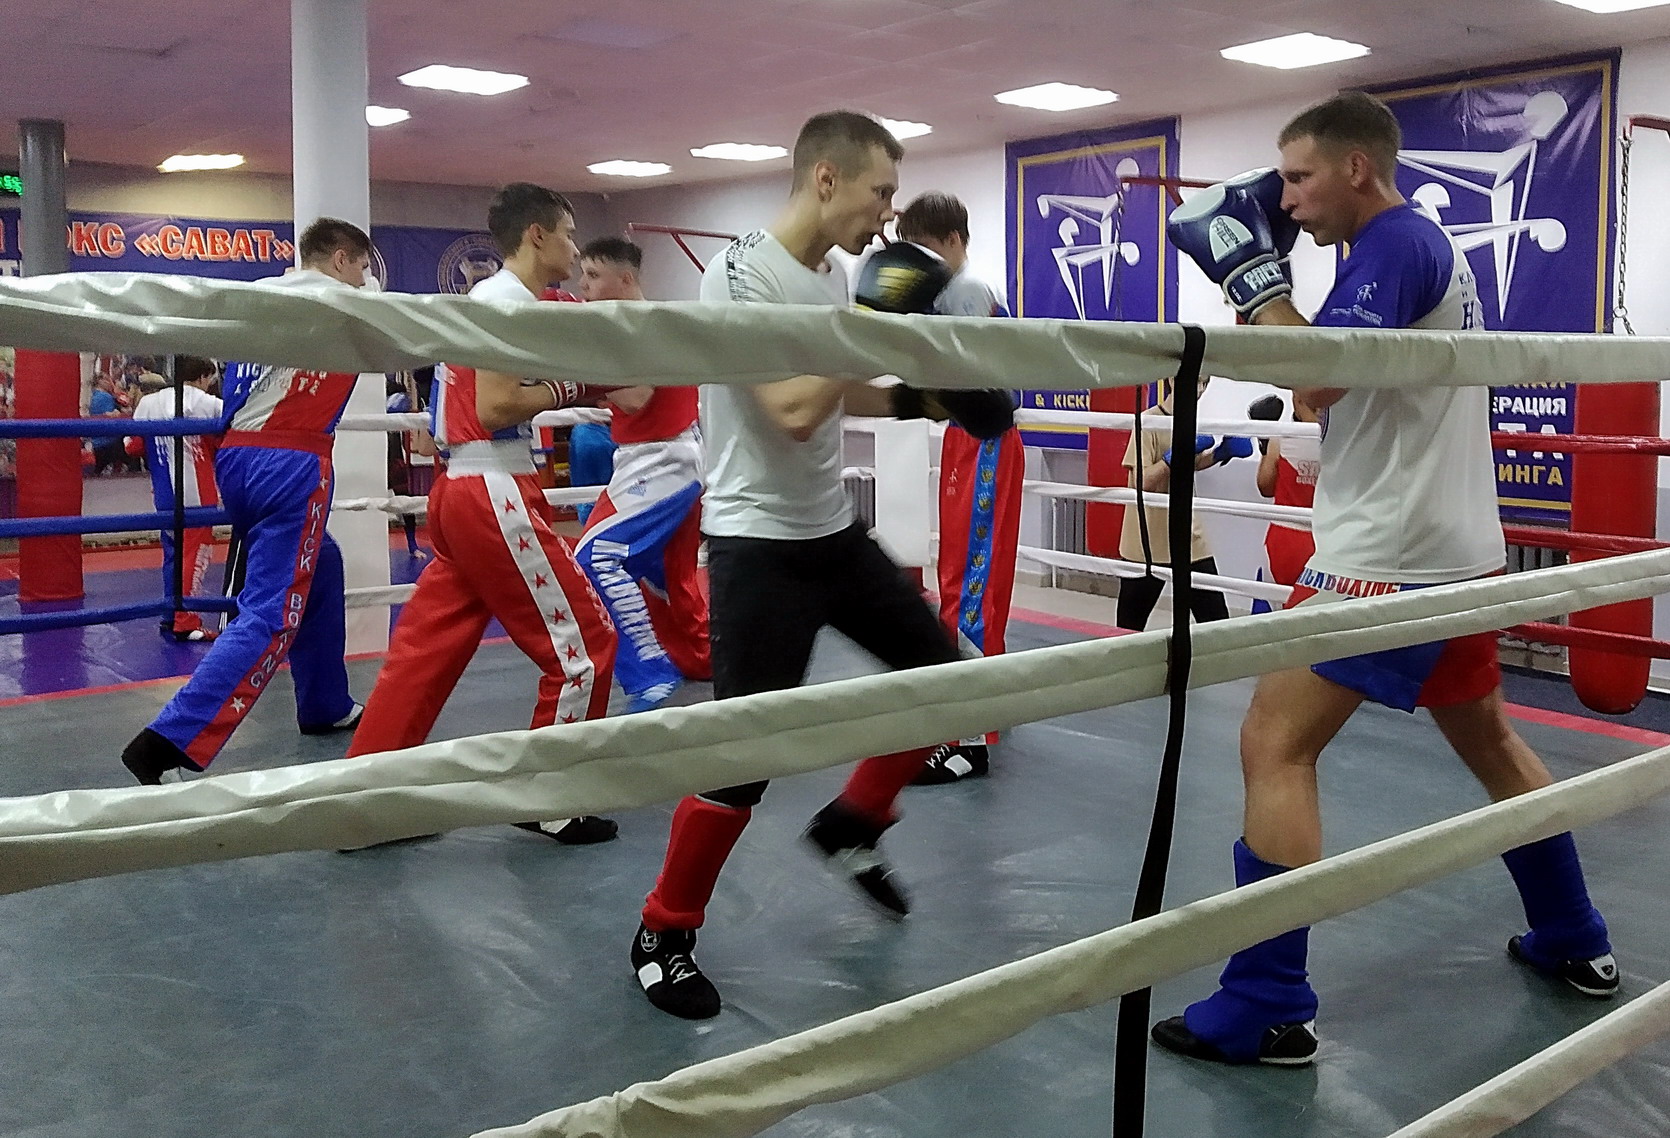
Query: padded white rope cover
point(742, 1094)
point(1519, 1092)
point(631, 761)
point(684, 343)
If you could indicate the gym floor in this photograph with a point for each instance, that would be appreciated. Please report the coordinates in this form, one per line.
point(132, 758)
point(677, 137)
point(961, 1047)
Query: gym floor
point(441, 986)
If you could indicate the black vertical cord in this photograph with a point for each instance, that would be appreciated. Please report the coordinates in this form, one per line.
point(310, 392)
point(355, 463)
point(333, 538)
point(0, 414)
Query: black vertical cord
point(1130, 1057)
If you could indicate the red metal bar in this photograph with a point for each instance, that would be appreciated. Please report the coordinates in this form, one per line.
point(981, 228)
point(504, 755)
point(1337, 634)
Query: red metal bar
point(1621, 643)
point(1648, 122)
point(678, 233)
point(1539, 538)
point(1580, 444)
point(1172, 186)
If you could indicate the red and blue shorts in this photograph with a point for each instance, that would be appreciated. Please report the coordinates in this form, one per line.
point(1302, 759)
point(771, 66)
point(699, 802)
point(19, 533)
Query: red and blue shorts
point(1442, 673)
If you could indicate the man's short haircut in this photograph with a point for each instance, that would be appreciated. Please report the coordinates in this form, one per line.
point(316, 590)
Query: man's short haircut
point(519, 205)
point(616, 249)
point(935, 215)
point(324, 237)
point(190, 369)
point(1351, 120)
point(844, 138)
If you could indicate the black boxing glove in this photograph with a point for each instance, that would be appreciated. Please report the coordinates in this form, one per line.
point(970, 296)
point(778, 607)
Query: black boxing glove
point(1266, 408)
point(984, 412)
point(902, 278)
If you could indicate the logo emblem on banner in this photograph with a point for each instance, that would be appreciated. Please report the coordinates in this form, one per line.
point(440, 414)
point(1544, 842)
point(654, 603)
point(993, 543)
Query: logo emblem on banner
point(471, 258)
point(1499, 181)
point(1516, 165)
point(1106, 249)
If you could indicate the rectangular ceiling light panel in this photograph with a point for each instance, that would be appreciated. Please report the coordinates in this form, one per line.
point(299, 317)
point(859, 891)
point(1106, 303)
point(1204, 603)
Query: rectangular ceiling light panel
point(466, 80)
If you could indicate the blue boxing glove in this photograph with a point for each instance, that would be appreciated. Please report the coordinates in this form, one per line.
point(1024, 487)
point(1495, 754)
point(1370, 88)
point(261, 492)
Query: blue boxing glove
point(1266, 185)
point(1232, 447)
point(1203, 443)
point(1225, 230)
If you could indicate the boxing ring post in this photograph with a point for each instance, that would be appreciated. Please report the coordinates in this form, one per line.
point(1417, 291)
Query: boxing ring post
point(1615, 494)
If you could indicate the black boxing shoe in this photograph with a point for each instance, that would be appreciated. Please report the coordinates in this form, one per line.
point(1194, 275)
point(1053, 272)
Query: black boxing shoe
point(1596, 977)
point(665, 965)
point(953, 762)
point(153, 760)
point(1285, 1045)
point(847, 843)
point(586, 830)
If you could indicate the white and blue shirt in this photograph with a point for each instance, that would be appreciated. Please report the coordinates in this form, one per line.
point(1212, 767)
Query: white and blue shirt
point(1407, 490)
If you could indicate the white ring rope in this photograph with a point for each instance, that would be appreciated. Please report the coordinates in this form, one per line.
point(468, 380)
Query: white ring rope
point(744, 1093)
point(419, 504)
point(1297, 517)
point(1518, 1093)
point(643, 342)
point(625, 762)
point(1119, 567)
point(418, 421)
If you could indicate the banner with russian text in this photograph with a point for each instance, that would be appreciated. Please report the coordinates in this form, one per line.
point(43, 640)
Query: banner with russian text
point(1516, 163)
point(1088, 243)
point(408, 258)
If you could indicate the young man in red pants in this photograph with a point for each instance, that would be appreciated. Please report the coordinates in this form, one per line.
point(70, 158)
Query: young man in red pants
point(979, 490)
point(495, 553)
point(785, 556)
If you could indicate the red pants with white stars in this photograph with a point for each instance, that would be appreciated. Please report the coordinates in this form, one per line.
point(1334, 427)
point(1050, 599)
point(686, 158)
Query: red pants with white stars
point(496, 557)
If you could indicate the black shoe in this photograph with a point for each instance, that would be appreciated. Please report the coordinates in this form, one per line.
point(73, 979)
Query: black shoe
point(848, 845)
point(1597, 977)
point(586, 830)
point(666, 968)
point(1285, 1045)
point(346, 723)
point(153, 760)
point(953, 762)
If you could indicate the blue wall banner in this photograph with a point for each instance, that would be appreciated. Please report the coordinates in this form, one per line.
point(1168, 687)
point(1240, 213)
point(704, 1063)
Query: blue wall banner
point(1516, 163)
point(1085, 244)
point(408, 258)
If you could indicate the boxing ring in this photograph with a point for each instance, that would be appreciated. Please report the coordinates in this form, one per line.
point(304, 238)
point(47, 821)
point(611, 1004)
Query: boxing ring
point(83, 835)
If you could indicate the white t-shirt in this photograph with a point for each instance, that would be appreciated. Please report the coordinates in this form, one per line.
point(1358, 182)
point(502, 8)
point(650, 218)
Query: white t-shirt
point(199, 465)
point(760, 481)
point(1407, 491)
point(968, 296)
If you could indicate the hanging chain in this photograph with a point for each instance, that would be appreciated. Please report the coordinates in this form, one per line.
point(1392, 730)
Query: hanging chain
point(1620, 311)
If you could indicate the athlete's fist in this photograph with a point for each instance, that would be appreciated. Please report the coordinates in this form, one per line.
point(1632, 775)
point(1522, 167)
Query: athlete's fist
point(902, 278)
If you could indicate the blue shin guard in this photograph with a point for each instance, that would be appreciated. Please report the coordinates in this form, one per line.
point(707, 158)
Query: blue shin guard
point(1261, 987)
point(1564, 924)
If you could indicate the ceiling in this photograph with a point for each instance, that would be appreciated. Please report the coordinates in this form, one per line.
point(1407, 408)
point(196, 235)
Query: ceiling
point(138, 80)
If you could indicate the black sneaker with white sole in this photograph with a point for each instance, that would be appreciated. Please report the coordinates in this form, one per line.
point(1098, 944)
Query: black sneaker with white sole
point(1596, 977)
point(665, 965)
point(847, 843)
point(153, 760)
point(346, 723)
point(586, 830)
point(1285, 1045)
point(953, 762)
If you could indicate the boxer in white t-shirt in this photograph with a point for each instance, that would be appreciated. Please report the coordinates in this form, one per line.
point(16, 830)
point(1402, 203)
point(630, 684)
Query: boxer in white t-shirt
point(1405, 498)
point(785, 555)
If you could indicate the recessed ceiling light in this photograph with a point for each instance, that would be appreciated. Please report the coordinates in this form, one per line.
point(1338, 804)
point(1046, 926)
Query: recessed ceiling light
point(1305, 49)
point(440, 77)
point(623, 168)
point(1607, 7)
point(738, 151)
point(385, 116)
point(1056, 97)
point(180, 162)
point(902, 129)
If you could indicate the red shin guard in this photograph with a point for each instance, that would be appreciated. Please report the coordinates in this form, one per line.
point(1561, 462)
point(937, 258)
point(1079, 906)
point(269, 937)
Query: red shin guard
point(701, 839)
